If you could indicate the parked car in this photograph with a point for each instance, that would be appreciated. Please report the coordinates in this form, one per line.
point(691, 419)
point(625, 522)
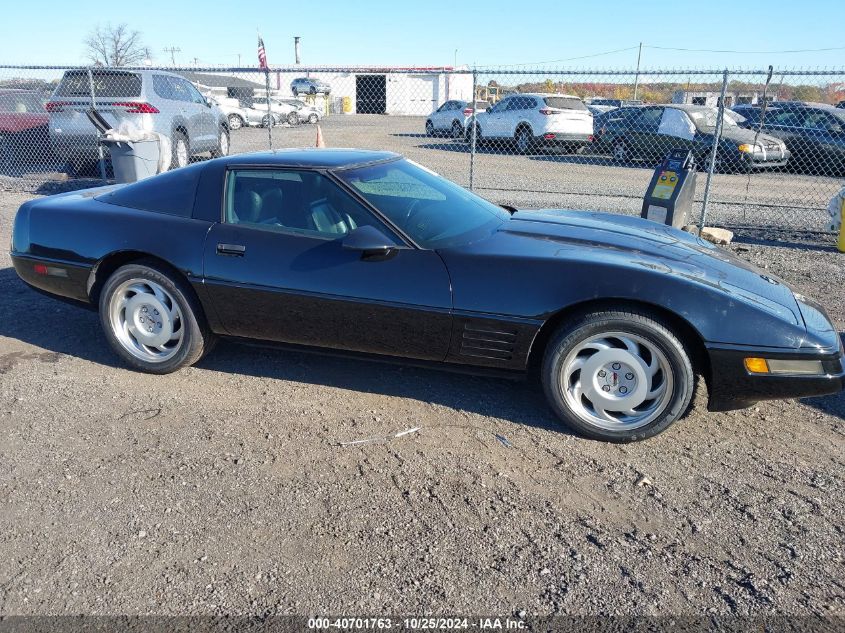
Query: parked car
point(452, 117)
point(813, 132)
point(231, 108)
point(24, 138)
point(534, 120)
point(597, 110)
point(651, 132)
point(304, 111)
point(613, 103)
point(280, 110)
point(151, 100)
point(309, 86)
point(618, 313)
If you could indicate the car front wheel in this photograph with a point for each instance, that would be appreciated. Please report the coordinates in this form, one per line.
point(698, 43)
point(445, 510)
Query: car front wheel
point(235, 122)
point(618, 376)
point(524, 140)
point(313, 118)
point(429, 128)
point(152, 320)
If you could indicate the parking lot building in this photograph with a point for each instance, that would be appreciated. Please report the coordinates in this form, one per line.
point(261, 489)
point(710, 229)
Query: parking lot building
point(378, 90)
point(712, 97)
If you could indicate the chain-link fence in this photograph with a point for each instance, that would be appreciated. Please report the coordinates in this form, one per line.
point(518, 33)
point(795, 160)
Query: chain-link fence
point(769, 144)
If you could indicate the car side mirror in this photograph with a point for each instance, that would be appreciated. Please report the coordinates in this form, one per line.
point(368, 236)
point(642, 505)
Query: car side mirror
point(835, 129)
point(372, 243)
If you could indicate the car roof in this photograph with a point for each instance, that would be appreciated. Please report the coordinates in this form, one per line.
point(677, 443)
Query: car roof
point(327, 158)
point(543, 95)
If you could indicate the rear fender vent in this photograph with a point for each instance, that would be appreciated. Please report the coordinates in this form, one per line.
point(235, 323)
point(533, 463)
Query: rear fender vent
point(488, 342)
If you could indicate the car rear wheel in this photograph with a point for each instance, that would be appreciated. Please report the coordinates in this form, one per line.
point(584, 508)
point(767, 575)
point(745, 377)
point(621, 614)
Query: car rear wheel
point(267, 121)
point(292, 118)
point(620, 151)
point(457, 129)
point(235, 122)
point(222, 148)
point(152, 320)
point(524, 140)
point(618, 376)
point(313, 118)
point(181, 150)
point(474, 130)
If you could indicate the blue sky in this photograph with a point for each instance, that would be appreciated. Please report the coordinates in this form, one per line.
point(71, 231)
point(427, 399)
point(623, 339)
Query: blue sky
point(403, 33)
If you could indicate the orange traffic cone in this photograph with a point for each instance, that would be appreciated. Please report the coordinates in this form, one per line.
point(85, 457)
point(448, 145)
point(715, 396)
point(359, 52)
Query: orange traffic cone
point(320, 141)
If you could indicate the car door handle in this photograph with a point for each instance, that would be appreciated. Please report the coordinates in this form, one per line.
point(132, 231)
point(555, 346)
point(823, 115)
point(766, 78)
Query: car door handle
point(237, 250)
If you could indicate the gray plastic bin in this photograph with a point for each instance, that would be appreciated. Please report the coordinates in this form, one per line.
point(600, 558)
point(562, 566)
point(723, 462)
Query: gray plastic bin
point(133, 160)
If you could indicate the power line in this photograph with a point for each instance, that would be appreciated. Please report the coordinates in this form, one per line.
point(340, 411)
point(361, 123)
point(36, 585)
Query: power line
point(568, 59)
point(707, 50)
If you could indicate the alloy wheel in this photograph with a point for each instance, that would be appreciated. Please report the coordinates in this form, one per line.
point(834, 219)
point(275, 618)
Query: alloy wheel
point(616, 381)
point(146, 320)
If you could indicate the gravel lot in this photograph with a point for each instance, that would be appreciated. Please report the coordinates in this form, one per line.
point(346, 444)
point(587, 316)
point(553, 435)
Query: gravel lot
point(224, 489)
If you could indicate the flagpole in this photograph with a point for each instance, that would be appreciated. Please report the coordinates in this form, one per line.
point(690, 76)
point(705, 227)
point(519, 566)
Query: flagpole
point(262, 61)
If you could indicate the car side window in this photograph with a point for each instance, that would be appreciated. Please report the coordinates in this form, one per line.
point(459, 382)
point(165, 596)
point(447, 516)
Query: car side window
point(193, 93)
point(291, 201)
point(648, 119)
point(161, 86)
point(785, 118)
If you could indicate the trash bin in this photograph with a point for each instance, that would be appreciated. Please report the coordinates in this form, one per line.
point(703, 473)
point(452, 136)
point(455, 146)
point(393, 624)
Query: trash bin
point(133, 160)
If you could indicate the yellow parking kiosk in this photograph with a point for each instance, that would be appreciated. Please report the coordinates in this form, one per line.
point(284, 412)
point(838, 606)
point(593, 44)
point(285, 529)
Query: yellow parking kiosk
point(668, 199)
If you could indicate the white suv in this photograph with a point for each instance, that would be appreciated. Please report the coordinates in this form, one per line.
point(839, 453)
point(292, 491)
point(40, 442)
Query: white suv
point(533, 120)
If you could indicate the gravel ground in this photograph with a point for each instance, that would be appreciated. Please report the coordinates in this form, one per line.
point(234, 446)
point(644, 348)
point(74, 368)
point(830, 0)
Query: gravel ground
point(225, 489)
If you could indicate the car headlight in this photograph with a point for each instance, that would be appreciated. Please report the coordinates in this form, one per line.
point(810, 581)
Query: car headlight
point(749, 148)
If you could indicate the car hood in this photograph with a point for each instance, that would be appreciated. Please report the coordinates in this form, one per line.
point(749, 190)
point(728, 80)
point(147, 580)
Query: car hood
point(637, 242)
point(745, 135)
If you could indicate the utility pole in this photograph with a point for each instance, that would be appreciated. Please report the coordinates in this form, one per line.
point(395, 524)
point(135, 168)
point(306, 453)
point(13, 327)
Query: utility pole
point(455, 65)
point(637, 77)
point(239, 60)
point(173, 50)
point(196, 61)
point(296, 49)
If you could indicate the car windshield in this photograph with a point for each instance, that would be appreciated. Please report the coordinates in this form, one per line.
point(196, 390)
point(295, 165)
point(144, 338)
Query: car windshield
point(431, 210)
point(706, 119)
point(565, 103)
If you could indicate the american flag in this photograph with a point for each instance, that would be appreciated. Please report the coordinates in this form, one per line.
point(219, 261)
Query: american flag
point(262, 54)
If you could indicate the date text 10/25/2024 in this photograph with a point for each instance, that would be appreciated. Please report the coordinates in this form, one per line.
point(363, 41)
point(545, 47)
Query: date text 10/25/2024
point(418, 623)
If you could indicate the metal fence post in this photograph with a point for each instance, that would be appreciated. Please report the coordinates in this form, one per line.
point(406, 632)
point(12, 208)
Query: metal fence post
point(472, 131)
point(101, 162)
point(270, 120)
point(717, 136)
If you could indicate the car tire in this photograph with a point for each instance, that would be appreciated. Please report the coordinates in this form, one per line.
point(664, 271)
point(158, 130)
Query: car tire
point(268, 121)
point(181, 150)
point(292, 118)
point(235, 122)
point(312, 90)
point(524, 140)
point(618, 376)
point(313, 118)
point(474, 129)
point(620, 151)
point(222, 148)
point(144, 293)
point(457, 129)
point(429, 128)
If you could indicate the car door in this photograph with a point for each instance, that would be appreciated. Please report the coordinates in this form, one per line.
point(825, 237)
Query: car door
point(494, 119)
point(675, 131)
point(188, 112)
point(821, 141)
point(441, 116)
point(643, 133)
point(207, 119)
point(276, 268)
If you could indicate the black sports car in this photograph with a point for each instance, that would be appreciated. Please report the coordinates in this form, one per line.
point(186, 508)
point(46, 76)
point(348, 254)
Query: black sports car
point(368, 252)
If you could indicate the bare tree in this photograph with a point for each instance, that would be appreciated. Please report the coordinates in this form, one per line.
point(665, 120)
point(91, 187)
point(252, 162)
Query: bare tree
point(114, 46)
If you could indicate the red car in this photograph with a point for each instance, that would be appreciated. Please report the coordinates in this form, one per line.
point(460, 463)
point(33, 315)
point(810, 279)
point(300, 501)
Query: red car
point(24, 137)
